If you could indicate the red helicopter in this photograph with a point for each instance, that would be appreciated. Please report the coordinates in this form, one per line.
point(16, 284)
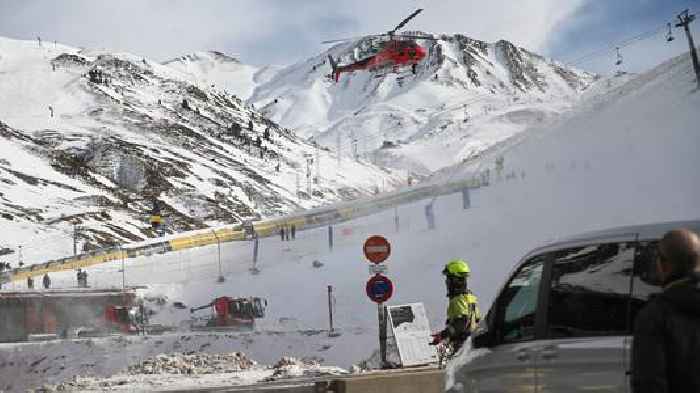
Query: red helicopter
point(401, 50)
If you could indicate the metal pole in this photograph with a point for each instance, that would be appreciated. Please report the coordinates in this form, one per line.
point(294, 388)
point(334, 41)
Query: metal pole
point(466, 199)
point(685, 20)
point(330, 309)
point(430, 216)
point(318, 165)
point(381, 314)
point(396, 219)
point(255, 254)
point(330, 237)
point(123, 269)
point(75, 240)
point(218, 244)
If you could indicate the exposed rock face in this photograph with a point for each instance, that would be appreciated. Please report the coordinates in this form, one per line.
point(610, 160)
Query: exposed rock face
point(523, 73)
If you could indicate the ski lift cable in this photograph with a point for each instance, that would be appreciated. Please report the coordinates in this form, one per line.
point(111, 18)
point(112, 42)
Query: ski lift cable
point(612, 47)
point(625, 42)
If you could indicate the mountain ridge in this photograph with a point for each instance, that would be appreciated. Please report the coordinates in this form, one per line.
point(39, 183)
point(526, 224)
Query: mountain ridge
point(467, 78)
point(94, 138)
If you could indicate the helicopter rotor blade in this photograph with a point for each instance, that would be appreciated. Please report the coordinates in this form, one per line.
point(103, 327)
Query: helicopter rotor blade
point(403, 22)
point(354, 38)
point(340, 40)
point(418, 37)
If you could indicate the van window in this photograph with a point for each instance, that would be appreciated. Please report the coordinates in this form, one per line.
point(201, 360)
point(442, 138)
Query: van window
point(518, 302)
point(589, 291)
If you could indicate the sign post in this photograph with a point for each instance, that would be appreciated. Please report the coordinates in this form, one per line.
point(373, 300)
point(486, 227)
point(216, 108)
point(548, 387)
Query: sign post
point(330, 238)
point(466, 200)
point(379, 287)
point(381, 315)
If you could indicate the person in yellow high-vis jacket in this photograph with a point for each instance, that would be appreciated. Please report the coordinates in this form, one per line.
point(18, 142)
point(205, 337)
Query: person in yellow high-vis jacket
point(462, 310)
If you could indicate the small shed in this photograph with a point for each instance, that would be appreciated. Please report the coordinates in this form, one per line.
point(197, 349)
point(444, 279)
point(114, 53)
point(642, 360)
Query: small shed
point(55, 311)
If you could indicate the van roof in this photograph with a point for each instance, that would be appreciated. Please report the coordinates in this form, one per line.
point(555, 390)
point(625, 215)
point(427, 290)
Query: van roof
point(651, 231)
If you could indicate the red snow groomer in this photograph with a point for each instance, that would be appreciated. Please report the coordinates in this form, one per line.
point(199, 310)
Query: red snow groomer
point(122, 319)
point(230, 314)
point(116, 320)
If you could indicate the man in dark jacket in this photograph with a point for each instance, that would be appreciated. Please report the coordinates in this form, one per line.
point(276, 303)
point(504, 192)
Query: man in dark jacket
point(666, 348)
point(47, 281)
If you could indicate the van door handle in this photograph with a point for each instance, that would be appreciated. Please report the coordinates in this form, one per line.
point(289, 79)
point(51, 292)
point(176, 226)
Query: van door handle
point(523, 355)
point(549, 352)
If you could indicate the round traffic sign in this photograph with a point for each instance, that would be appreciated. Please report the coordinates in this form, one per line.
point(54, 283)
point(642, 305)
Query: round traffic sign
point(377, 249)
point(379, 288)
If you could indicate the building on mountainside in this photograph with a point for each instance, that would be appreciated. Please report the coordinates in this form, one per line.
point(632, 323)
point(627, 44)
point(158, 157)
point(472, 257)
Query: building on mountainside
point(56, 311)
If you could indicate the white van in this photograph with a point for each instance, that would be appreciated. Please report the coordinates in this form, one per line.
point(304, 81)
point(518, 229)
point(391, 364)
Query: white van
point(563, 321)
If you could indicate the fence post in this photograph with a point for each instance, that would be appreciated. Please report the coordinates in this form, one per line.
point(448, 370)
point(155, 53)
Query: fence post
point(396, 220)
point(121, 249)
point(430, 215)
point(330, 310)
point(255, 269)
point(330, 237)
point(466, 200)
point(218, 244)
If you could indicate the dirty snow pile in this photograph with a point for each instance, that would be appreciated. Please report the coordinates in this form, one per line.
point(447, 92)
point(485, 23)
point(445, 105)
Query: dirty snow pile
point(290, 367)
point(193, 363)
point(190, 370)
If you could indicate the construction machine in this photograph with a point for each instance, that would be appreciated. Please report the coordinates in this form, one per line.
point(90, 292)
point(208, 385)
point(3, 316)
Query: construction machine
point(115, 320)
point(123, 319)
point(230, 314)
point(127, 320)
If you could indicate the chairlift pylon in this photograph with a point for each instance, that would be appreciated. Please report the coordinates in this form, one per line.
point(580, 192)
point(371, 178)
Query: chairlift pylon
point(669, 35)
point(619, 57)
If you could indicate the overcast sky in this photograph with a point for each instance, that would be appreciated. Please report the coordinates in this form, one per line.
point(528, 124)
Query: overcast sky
point(285, 31)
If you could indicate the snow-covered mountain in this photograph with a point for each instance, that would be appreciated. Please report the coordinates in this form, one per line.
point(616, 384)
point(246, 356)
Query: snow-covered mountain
point(223, 72)
point(465, 96)
point(93, 137)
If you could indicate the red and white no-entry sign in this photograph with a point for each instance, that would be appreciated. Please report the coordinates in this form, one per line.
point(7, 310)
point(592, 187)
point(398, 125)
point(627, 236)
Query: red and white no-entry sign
point(377, 249)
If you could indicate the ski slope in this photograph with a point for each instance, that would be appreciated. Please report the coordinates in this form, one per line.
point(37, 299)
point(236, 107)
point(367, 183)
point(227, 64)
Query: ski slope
point(627, 157)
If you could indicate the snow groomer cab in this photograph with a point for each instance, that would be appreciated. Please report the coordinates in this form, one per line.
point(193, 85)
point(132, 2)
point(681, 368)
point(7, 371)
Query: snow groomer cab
point(563, 321)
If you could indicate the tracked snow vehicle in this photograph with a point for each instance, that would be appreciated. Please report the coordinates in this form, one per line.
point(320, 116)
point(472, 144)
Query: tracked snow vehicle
point(238, 314)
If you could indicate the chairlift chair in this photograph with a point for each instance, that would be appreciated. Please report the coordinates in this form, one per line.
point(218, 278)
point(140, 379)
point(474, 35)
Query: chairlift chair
point(619, 57)
point(669, 35)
